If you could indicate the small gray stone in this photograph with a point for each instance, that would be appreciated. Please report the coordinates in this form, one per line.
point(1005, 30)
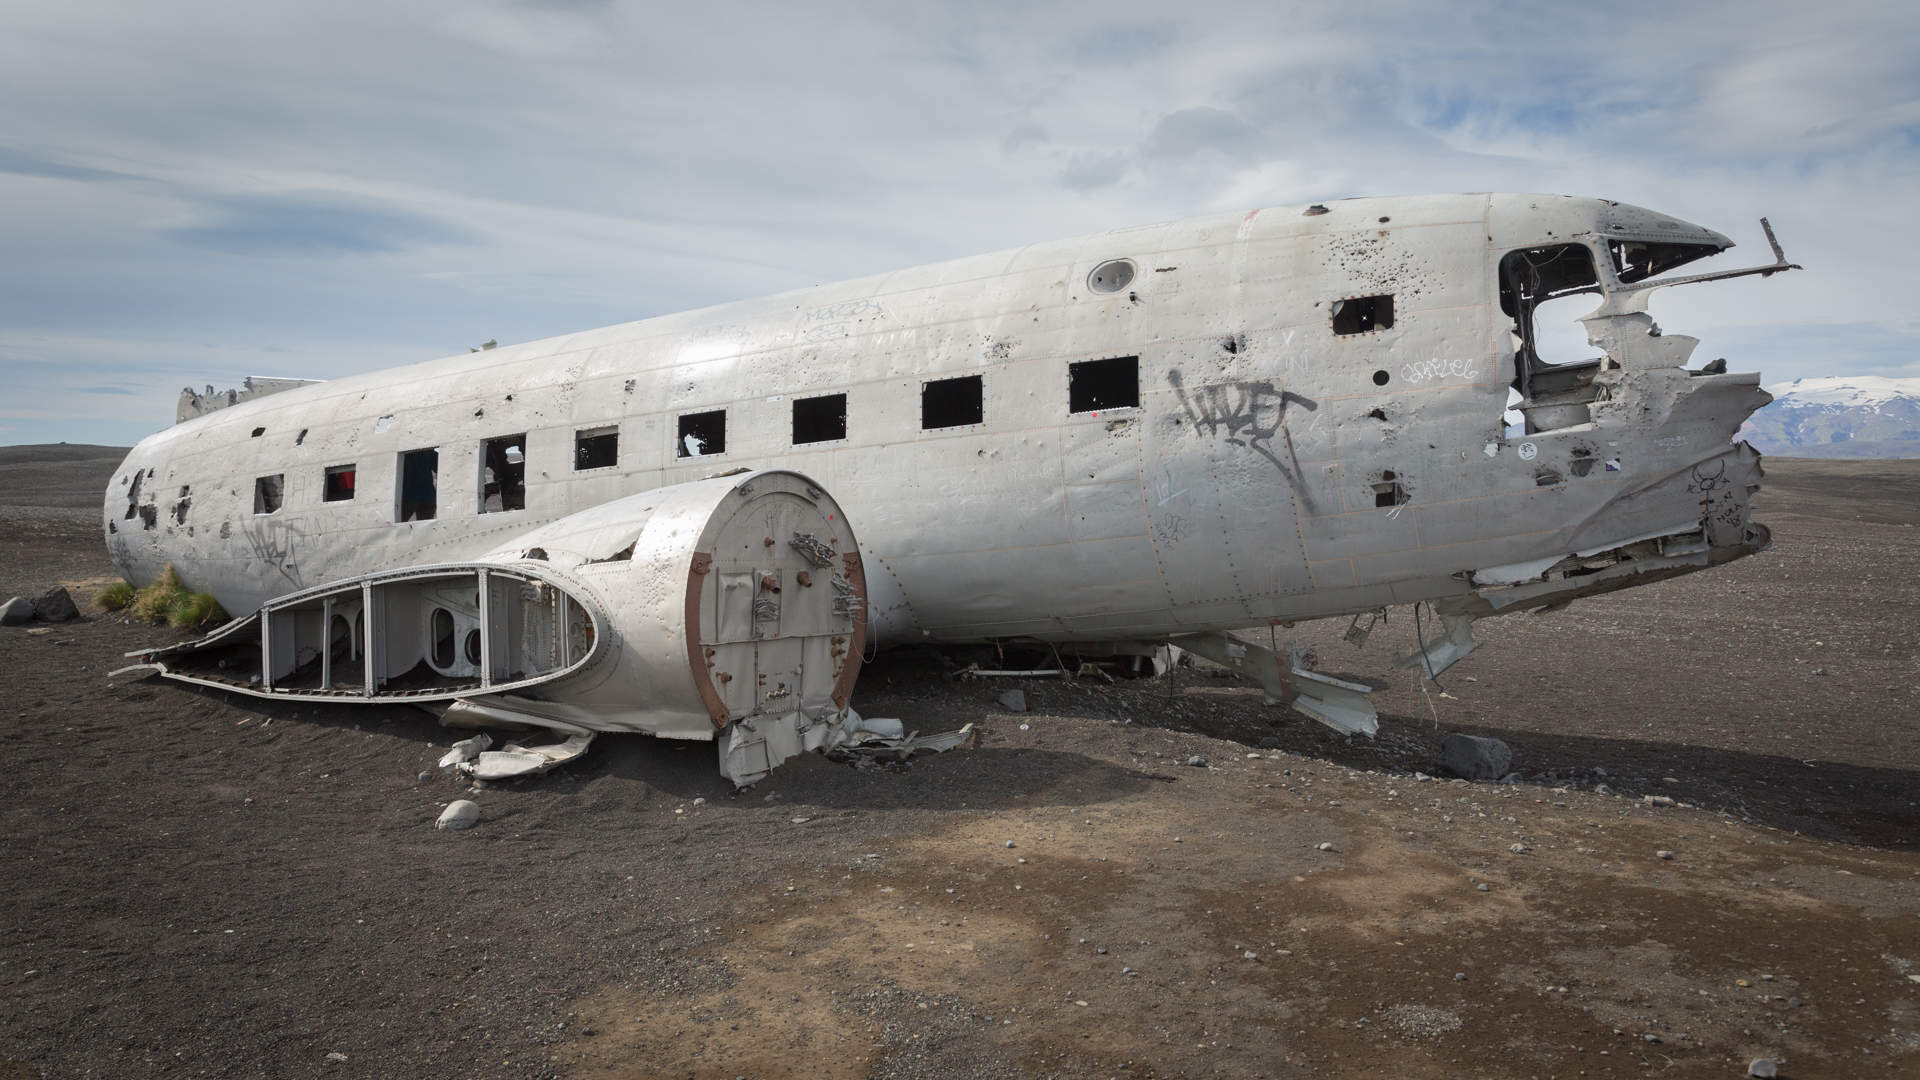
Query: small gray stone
point(1663, 855)
point(1763, 1067)
point(1482, 887)
point(1518, 849)
point(1014, 700)
point(55, 605)
point(16, 612)
point(1197, 761)
point(1461, 976)
point(1471, 757)
point(1651, 1037)
point(1269, 743)
point(1009, 844)
point(1602, 789)
point(459, 814)
point(1793, 1003)
point(426, 776)
point(1323, 847)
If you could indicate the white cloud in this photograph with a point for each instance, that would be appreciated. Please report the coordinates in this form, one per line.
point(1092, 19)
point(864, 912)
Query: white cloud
point(366, 185)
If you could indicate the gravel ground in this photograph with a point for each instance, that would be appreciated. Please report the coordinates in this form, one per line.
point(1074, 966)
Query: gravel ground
point(208, 887)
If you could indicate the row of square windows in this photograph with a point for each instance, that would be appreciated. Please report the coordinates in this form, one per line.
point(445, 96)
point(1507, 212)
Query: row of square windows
point(1092, 386)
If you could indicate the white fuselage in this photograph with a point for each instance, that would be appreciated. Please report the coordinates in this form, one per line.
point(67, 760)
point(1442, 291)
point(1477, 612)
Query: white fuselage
point(1249, 483)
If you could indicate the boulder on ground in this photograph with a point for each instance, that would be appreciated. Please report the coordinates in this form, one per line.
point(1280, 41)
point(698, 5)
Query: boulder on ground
point(460, 814)
point(55, 605)
point(1471, 757)
point(16, 612)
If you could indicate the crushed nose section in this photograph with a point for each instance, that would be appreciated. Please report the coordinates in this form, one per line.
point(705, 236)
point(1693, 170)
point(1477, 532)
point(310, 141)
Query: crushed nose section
point(426, 634)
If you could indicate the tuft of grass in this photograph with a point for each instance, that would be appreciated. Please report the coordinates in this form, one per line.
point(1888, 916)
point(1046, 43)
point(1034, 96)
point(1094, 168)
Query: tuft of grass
point(154, 602)
point(168, 600)
point(195, 610)
point(115, 596)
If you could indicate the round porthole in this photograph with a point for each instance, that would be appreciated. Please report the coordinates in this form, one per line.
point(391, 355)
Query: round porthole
point(473, 646)
point(1111, 276)
point(442, 638)
point(1380, 378)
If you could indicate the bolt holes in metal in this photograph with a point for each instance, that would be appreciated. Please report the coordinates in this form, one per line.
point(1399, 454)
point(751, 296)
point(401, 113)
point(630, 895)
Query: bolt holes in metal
point(1111, 276)
point(1380, 377)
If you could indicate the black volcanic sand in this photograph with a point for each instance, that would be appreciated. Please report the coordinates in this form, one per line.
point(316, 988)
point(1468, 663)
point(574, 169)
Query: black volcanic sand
point(205, 887)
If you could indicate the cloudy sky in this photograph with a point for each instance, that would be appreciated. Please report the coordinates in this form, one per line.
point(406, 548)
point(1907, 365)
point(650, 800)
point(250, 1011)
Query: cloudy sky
point(199, 191)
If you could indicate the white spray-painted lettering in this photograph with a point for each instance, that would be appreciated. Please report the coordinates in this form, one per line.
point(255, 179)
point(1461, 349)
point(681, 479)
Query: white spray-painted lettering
point(1419, 371)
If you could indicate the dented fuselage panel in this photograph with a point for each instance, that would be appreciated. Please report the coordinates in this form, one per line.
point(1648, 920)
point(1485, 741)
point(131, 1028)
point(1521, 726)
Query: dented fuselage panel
point(1174, 429)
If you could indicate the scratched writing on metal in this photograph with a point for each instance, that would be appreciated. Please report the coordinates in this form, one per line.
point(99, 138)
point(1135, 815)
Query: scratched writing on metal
point(1429, 370)
point(1165, 492)
point(837, 320)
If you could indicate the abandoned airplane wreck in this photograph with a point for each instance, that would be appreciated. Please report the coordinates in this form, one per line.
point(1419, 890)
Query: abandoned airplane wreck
point(1107, 445)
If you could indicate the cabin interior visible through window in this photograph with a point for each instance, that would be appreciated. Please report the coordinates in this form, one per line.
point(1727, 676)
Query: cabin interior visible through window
point(596, 448)
point(703, 434)
point(340, 483)
point(946, 403)
point(419, 484)
point(503, 474)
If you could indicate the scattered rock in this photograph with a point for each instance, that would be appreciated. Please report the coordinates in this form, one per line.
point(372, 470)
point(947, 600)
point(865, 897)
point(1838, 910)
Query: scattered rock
point(1482, 887)
point(1323, 847)
point(1250, 955)
point(1009, 844)
point(1519, 849)
point(459, 814)
point(426, 776)
point(1657, 800)
point(1471, 757)
point(1819, 671)
point(1421, 778)
point(1763, 1067)
point(703, 802)
point(1014, 700)
point(1197, 761)
point(1602, 789)
point(1663, 854)
point(16, 612)
point(1269, 743)
point(801, 820)
point(1793, 1003)
point(1669, 779)
point(55, 605)
point(1422, 1020)
point(336, 1056)
point(1651, 1037)
point(1511, 778)
point(1461, 976)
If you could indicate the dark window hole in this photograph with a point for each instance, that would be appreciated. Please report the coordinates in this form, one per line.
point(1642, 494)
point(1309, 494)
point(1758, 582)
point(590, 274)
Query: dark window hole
point(503, 474)
point(267, 493)
point(819, 419)
point(339, 487)
point(703, 434)
point(1094, 385)
point(1363, 314)
point(596, 448)
point(419, 484)
point(473, 647)
point(946, 403)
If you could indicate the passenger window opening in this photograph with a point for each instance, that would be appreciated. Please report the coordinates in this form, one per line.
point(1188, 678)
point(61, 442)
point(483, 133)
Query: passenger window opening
point(946, 403)
point(703, 434)
point(1098, 385)
point(819, 419)
point(473, 647)
point(339, 486)
point(442, 638)
point(259, 431)
point(419, 484)
point(503, 474)
point(596, 448)
point(267, 491)
point(1363, 314)
point(1634, 260)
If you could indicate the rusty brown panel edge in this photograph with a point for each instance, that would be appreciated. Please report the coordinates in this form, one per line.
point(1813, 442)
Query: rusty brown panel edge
point(696, 657)
point(857, 645)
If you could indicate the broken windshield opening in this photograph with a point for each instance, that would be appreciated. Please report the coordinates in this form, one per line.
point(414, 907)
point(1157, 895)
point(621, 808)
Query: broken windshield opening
point(1529, 278)
point(1636, 261)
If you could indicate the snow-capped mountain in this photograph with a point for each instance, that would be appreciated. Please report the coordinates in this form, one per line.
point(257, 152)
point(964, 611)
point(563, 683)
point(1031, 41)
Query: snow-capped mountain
point(1853, 416)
